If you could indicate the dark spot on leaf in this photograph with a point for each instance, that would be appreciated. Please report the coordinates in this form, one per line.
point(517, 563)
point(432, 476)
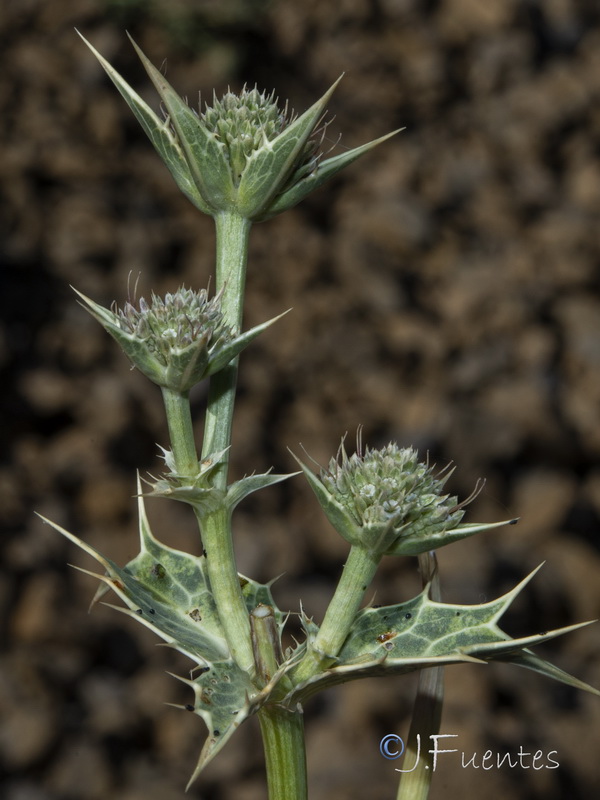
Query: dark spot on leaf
point(216, 733)
point(203, 670)
point(243, 582)
point(407, 616)
point(457, 614)
point(139, 611)
point(195, 614)
point(158, 571)
point(151, 611)
point(189, 707)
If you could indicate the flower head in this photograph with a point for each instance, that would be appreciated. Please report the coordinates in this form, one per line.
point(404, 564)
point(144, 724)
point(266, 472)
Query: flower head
point(248, 122)
point(244, 154)
point(389, 502)
point(392, 488)
point(176, 341)
point(182, 322)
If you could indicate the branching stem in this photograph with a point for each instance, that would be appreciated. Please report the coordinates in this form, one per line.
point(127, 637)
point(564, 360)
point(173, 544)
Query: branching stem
point(356, 576)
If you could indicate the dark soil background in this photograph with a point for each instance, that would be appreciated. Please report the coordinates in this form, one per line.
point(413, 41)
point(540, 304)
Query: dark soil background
point(445, 293)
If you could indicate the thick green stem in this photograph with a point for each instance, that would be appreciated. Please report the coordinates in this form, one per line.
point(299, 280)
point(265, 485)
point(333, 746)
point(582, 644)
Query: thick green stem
point(232, 254)
point(357, 575)
point(285, 755)
point(216, 536)
point(225, 586)
point(181, 432)
point(282, 729)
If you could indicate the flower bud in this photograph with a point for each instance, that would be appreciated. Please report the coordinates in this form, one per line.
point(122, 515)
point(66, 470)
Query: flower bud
point(389, 502)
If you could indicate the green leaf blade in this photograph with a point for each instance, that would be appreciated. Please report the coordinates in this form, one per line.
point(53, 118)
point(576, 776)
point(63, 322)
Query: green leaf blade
point(408, 636)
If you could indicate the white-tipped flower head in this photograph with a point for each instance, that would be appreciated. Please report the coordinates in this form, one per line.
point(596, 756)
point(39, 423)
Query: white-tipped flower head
point(176, 341)
point(391, 488)
point(389, 502)
point(244, 154)
point(249, 122)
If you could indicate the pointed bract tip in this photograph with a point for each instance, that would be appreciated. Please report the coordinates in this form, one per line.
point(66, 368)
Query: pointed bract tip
point(137, 48)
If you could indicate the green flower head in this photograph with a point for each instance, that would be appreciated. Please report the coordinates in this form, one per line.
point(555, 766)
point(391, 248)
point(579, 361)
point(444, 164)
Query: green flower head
point(249, 122)
point(244, 154)
point(391, 488)
point(389, 502)
point(176, 341)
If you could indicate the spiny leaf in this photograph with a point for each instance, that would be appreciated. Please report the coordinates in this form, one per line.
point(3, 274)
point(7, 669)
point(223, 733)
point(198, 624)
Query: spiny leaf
point(252, 483)
point(529, 660)
point(419, 633)
point(233, 348)
point(168, 591)
point(339, 517)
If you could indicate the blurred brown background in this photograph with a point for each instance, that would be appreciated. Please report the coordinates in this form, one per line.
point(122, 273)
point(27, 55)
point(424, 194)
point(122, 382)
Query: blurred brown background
point(445, 293)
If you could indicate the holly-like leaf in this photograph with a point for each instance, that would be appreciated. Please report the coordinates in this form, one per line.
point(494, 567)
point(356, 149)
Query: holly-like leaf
point(168, 591)
point(421, 633)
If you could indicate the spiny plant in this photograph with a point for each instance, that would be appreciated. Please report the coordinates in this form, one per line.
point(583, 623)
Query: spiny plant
point(244, 160)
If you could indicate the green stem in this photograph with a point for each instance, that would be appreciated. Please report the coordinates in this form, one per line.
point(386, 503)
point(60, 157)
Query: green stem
point(181, 432)
point(282, 730)
point(216, 536)
point(232, 254)
point(357, 575)
point(283, 741)
point(415, 781)
point(225, 586)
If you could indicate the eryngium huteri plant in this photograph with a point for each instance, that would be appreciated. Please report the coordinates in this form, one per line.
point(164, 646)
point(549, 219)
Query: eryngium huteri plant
point(242, 160)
